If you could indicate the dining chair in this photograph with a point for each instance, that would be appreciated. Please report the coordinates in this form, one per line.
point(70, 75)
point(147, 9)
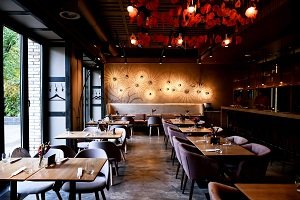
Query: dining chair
point(113, 153)
point(198, 168)
point(176, 142)
point(68, 151)
point(166, 124)
point(220, 191)
point(254, 168)
point(34, 187)
point(131, 123)
point(154, 121)
point(101, 181)
point(83, 143)
point(235, 139)
point(174, 132)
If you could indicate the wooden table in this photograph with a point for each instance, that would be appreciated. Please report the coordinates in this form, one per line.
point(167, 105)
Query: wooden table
point(199, 131)
point(227, 150)
point(67, 171)
point(269, 191)
point(89, 135)
point(6, 169)
point(186, 122)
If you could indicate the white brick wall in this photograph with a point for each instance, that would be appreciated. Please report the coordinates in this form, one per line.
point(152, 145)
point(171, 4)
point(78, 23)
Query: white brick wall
point(34, 96)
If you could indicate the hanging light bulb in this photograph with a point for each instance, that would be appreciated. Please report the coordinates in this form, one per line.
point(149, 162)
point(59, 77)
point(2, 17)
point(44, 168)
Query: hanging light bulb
point(251, 12)
point(226, 41)
point(191, 7)
point(133, 39)
point(179, 39)
point(130, 8)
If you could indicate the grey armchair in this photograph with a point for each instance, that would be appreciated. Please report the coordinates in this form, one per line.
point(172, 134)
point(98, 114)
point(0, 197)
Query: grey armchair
point(198, 168)
point(154, 121)
point(101, 181)
point(113, 153)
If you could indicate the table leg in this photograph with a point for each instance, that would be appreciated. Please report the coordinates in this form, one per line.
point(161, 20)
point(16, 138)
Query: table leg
point(72, 194)
point(13, 190)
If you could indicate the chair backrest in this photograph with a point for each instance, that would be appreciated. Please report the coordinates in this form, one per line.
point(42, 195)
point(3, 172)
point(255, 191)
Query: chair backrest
point(128, 118)
point(197, 166)
point(20, 152)
point(237, 139)
point(68, 151)
point(219, 191)
point(97, 153)
point(122, 140)
point(173, 132)
point(176, 142)
point(91, 129)
point(59, 153)
point(166, 124)
point(154, 120)
point(110, 148)
point(254, 169)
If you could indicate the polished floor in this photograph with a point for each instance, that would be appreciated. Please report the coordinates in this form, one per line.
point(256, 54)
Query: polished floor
point(148, 173)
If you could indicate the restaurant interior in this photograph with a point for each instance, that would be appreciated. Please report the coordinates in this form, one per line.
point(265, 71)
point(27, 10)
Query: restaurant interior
point(150, 99)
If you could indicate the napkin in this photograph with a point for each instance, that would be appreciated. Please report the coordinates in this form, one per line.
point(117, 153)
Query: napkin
point(18, 171)
point(212, 150)
point(12, 160)
point(79, 172)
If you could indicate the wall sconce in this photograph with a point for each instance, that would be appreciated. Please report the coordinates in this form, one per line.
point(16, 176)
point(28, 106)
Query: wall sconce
point(191, 8)
point(133, 39)
point(179, 40)
point(226, 41)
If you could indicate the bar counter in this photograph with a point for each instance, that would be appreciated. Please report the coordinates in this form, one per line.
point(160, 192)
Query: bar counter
point(277, 130)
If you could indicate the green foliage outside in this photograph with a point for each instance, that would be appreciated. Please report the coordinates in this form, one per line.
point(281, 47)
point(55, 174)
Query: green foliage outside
point(11, 72)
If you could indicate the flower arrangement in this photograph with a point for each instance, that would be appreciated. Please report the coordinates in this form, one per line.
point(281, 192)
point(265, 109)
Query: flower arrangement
point(43, 149)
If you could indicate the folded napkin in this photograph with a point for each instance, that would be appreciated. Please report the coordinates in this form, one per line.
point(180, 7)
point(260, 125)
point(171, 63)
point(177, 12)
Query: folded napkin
point(79, 172)
point(18, 171)
point(212, 150)
point(12, 160)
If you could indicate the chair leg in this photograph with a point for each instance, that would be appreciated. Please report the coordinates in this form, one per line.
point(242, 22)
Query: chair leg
point(184, 183)
point(192, 190)
point(158, 130)
point(167, 140)
point(79, 196)
point(103, 195)
point(97, 195)
point(58, 195)
point(178, 166)
point(182, 177)
point(116, 168)
point(131, 131)
point(37, 196)
point(111, 178)
point(150, 130)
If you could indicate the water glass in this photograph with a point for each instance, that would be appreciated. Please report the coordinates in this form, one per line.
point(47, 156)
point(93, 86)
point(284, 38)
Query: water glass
point(68, 131)
point(4, 158)
point(89, 167)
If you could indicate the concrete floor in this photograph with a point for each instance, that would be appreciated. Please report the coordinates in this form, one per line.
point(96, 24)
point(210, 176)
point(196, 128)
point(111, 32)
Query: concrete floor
point(148, 173)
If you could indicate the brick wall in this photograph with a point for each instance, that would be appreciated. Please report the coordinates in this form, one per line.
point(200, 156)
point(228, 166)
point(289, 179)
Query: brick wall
point(34, 80)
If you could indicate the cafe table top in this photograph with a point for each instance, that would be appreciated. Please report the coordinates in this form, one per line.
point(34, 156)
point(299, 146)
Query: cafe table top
point(186, 122)
point(210, 149)
point(262, 191)
point(67, 170)
point(6, 169)
point(195, 130)
point(89, 135)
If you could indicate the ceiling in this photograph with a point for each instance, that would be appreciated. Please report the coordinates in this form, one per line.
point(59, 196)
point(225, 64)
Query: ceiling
point(102, 30)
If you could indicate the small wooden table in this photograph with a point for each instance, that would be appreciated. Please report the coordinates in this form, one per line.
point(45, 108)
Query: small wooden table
point(186, 122)
point(269, 191)
point(67, 171)
point(227, 150)
point(89, 135)
point(195, 131)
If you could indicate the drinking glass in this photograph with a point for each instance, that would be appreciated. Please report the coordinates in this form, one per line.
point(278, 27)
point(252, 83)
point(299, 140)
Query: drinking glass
point(89, 167)
point(4, 158)
point(68, 131)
